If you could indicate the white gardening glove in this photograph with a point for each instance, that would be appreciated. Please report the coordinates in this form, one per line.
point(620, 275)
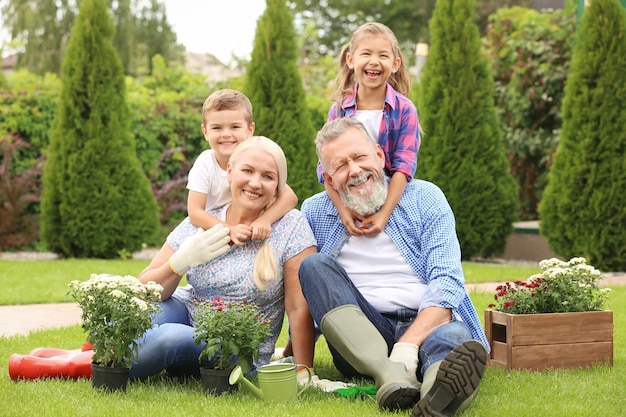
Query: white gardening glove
point(406, 353)
point(200, 248)
point(325, 385)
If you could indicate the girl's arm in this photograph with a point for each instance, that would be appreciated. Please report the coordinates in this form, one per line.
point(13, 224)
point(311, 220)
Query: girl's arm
point(196, 209)
point(376, 223)
point(262, 227)
point(300, 320)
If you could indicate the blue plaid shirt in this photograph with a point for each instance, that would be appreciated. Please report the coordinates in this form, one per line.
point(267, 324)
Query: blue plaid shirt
point(423, 227)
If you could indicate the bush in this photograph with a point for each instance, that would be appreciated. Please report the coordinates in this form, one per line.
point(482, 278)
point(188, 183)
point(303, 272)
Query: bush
point(582, 210)
point(18, 194)
point(530, 56)
point(96, 200)
point(462, 149)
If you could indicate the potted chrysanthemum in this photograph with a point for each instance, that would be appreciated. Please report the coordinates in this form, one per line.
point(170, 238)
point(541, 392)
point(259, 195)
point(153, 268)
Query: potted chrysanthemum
point(116, 312)
point(232, 333)
point(554, 319)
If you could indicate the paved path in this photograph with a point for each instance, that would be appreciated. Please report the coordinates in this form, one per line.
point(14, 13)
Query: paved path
point(22, 319)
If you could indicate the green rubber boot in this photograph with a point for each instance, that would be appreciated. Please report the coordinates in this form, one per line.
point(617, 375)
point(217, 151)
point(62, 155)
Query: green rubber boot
point(449, 386)
point(357, 340)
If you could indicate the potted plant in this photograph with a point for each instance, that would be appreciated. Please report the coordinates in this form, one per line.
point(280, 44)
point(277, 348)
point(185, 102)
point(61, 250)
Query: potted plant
point(555, 319)
point(116, 312)
point(232, 332)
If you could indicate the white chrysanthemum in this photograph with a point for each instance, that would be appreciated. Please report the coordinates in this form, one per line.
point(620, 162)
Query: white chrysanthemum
point(552, 263)
point(577, 261)
point(118, 294)
point(143, 306)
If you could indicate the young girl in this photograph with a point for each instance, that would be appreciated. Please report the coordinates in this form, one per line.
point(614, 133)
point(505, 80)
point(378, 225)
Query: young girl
point(372, 86)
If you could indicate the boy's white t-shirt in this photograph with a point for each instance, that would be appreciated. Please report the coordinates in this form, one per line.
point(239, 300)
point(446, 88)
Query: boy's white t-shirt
point(206, 177)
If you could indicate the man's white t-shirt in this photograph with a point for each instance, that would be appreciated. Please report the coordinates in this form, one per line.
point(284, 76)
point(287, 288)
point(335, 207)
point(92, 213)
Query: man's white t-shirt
point(206, 177)
point(386, 280)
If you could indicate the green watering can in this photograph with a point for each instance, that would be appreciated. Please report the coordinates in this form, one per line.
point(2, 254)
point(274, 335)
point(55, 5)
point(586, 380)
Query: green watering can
point(277, 381)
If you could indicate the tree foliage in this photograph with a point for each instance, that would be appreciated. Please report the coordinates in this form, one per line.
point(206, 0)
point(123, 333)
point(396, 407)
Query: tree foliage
point(274, 87)
point(43, 26)
point(333, 21)
point(583, 208)
point(96, 199)
point(462, 149)
point(530, 56)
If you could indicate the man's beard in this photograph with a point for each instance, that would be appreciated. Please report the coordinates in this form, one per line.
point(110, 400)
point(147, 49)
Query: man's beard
point(365, 204)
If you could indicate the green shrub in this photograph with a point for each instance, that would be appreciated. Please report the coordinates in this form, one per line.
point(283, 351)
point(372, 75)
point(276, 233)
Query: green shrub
point(462, 150)
point(96, 199)
point(530, 54)
point(275, 89)
point(583, 209)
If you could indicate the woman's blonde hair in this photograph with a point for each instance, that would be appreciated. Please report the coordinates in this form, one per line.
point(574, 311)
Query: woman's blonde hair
point(345, 77)
point(265, 268)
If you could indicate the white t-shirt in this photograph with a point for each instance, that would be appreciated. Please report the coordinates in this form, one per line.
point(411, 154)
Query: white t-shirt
point(371, 119)
point(386, 280)
point(206, 177)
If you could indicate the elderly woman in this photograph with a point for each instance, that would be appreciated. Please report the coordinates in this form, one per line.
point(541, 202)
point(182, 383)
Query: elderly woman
point(264, 272)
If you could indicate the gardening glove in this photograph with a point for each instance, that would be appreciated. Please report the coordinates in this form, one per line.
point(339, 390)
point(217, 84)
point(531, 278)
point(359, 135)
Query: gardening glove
point(325, 385)
point(406, 353)
point(200, 248)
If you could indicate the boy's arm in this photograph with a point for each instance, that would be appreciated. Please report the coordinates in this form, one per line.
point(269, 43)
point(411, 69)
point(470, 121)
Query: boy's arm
point(376, 223)
point(345, 213)
point(196, 208)
point(262, 227)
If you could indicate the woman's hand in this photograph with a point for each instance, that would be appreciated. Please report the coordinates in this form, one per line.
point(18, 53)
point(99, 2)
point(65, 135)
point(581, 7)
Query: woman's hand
point(200, 248)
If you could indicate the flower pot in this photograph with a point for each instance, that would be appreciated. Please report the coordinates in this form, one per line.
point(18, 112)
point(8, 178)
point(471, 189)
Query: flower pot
point(110, 379)
point(549, 340)
point(215, 381)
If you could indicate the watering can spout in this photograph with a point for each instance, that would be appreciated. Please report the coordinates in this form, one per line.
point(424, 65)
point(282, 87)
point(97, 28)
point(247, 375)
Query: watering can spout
point(236, 376)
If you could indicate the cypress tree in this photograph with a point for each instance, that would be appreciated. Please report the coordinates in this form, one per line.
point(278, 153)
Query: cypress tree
point(583, 209)
point(463, 150)
point(275, 89)
point(96, 200)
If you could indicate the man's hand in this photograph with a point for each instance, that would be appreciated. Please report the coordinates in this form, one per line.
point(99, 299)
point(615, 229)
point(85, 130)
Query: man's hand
point(200, 248)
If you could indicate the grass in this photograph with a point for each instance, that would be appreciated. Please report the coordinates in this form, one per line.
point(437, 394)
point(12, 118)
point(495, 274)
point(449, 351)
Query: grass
point(35, 282)
point(596, 391)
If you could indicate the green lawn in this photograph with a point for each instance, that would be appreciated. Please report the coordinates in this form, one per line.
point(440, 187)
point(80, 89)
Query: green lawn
point(598, 391)
point(34, 282)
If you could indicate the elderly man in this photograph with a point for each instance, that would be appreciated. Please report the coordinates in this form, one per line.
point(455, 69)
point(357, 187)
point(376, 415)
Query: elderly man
point(392, 305)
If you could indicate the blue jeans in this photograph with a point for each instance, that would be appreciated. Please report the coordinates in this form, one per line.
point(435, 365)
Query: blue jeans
point(169, 344)
point(326, 286)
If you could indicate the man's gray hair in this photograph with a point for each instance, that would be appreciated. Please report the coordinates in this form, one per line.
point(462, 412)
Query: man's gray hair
point(335, 128)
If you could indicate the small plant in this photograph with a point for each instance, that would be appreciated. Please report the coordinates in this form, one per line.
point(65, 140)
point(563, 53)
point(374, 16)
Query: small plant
point(560, 287)
point(233, 332)
point(116, 312)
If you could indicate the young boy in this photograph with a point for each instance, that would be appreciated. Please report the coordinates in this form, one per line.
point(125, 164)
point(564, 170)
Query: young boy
point(226, 122)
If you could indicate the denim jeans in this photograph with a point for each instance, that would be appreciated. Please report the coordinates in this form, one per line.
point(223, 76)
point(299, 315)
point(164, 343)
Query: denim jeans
point(169, 344)
point(326, 286)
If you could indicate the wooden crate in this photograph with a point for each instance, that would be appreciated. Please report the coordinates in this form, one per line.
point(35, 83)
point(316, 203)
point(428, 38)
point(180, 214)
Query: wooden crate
point(551, 340)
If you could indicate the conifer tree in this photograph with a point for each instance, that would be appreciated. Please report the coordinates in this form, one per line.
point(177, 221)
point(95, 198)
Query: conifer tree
point(583, 209)
point(275, 89)
point(462, 147)
point(96, 200)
